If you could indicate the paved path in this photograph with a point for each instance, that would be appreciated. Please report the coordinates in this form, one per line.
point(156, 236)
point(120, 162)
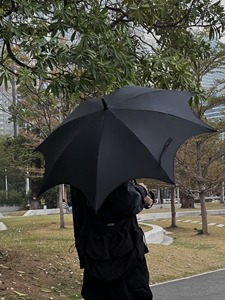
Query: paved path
point(199, 222)
point(207, 286)
point(167, 215)
point(219, 225)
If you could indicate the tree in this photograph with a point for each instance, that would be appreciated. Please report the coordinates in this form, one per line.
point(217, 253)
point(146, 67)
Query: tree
point(200, 168)
point(201, 159)
point(37, 115)
point(82, 48)
point(12, 182)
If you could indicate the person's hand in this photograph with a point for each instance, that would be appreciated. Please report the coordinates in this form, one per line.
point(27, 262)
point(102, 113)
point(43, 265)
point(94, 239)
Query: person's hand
point(144, 186)
point(148, 201)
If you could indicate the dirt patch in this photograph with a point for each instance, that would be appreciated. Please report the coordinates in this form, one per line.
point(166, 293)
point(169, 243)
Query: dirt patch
point(28, 276)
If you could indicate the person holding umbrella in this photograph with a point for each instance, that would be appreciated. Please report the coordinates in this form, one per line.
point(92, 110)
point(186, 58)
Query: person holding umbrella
point(110, 244)
point(96, 150)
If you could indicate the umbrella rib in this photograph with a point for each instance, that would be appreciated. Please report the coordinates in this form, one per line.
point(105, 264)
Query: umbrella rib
point(169, 114)
point(100, 144)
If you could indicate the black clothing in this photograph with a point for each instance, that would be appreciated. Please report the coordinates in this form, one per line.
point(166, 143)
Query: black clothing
point(134, 287)
point(121, 205)
point(122, 202)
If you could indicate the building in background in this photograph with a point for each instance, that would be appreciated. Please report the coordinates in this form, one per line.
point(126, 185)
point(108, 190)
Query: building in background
point(216, 113)
point(207, 82)
point(6, 98)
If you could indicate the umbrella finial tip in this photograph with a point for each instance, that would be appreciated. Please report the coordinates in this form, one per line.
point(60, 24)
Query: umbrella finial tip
point(104, 104)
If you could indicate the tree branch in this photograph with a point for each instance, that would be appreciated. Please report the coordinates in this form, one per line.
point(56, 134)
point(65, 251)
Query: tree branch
point(12, 56)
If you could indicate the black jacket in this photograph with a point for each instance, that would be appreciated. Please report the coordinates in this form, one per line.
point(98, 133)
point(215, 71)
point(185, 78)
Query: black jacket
point(110, 242)
point(126, 200)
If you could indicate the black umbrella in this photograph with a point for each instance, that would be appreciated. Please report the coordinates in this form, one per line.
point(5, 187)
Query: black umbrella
point(133, 132)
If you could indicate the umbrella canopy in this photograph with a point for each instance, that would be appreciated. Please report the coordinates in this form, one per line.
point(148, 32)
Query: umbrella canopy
point(133, 132)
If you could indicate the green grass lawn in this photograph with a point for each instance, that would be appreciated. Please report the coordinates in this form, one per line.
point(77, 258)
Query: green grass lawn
point(190, 253)
point(37, 262)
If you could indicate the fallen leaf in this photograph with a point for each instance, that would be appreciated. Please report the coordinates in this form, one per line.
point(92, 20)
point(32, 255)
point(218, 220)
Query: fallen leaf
point(20, 294)
point(4, 267)
point(46, 291)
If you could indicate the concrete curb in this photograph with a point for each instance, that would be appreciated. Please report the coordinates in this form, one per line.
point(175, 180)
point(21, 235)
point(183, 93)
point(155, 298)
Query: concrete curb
point(154, 236)
point(38, 212)
point(157, 235)
point(2, 226)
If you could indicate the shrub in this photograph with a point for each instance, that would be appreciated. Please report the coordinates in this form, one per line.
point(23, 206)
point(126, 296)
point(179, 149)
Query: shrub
point(11, 198)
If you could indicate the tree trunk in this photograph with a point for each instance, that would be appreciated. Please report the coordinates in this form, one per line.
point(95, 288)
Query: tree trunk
point(173, 211)
point(34, 203)
point(65, 193)
point(187, 201)
point(60, 195)
point(161, 196)
point(222, 193)
point(178, 194)
point(203, 213)
point(35, 187)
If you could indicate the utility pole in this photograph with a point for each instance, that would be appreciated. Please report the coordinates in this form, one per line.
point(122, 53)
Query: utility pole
point(6, 185)
point(61, 186)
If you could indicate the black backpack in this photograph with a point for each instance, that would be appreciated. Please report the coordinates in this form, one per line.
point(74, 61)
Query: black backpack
point(109, 251)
